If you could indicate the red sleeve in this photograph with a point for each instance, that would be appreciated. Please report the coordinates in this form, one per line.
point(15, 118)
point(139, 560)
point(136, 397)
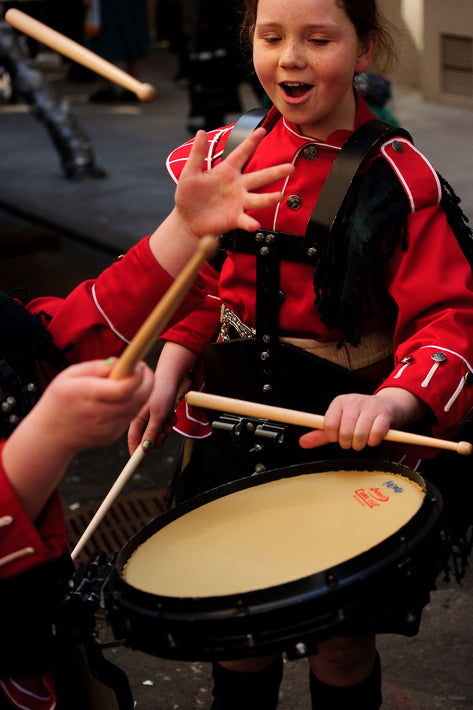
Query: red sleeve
point(201, 325)
point(24, 544)
point(100, 317)
point(438, 320)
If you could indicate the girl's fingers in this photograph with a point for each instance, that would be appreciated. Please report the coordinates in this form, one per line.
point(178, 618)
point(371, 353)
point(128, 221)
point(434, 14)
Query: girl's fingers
point(264, 199)
point(240, 155)
point(313, 439)
point(197, 153)
point(260, 178)
point(247, 223)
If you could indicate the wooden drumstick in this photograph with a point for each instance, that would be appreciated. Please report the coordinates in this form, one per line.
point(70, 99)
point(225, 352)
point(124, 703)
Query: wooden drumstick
point(133, 462)
point(136, 351)
point(75, 51)
point(311, 421)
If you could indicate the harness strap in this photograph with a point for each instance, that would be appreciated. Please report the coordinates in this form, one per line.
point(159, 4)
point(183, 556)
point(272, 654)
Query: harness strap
point(292, 247)
point(355, 151)
point(246, 124)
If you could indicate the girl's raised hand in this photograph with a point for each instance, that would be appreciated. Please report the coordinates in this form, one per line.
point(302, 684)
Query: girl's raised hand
point(215, 201)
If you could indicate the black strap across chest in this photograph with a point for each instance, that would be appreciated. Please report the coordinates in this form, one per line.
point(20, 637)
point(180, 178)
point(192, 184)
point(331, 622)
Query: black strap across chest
point(356, 150)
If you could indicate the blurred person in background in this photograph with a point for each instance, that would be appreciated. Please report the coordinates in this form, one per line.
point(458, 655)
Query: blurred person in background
point(122, 37)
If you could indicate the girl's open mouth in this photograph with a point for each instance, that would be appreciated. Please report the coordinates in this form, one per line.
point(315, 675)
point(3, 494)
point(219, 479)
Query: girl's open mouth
point(295, 89)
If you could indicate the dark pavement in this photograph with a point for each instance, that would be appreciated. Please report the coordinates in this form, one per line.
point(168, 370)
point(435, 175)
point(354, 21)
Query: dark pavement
point(90, 222)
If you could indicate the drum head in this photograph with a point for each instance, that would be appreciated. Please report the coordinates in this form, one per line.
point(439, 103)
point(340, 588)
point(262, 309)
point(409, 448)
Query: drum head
point(284, 558)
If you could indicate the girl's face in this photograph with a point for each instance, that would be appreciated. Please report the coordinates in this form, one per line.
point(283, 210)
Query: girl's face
point(306, 53)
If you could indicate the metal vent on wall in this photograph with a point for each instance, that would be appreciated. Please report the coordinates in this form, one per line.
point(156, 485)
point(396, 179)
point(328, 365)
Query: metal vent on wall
point(457, 65)
point(129, 513)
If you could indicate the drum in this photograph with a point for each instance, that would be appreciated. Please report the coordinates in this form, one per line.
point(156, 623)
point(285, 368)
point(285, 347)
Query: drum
point(280, 561)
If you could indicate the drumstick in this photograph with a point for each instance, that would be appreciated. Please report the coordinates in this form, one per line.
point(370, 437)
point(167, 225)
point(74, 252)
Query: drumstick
point(133, 462)
point(136, 351)
point(153, 326)
point(312, 421)
point(75, 51)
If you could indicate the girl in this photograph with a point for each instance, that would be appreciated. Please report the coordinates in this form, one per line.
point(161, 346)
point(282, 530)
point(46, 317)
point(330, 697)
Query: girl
point(370, 292)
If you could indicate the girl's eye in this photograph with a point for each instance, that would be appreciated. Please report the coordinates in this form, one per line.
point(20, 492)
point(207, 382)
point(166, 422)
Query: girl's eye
point(319, 41)
point(272, 40)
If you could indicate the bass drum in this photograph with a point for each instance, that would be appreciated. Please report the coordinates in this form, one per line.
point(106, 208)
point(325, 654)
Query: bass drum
point(281, 561)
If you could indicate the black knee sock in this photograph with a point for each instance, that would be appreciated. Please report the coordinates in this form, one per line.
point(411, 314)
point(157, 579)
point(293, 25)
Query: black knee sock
point(366, 695)
point(246, 691)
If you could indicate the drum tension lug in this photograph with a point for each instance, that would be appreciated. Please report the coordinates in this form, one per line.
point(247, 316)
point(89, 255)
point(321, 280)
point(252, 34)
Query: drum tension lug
point(331, 579)
point(250, 427)
point(273, 432)
point(228, 423)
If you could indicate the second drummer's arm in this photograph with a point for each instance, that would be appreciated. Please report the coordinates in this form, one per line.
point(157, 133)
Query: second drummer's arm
point(101, 316)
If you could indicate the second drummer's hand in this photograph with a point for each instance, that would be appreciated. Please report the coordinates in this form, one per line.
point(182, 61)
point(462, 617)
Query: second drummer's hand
point(357, 420)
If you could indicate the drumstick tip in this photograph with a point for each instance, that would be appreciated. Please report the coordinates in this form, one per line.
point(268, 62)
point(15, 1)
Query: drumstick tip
point(464, 448)
point(146, 93)
point(208, 246)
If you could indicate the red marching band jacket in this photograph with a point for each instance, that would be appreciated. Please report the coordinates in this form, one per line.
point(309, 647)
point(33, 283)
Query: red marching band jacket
point(96, 320)
point(430, 282)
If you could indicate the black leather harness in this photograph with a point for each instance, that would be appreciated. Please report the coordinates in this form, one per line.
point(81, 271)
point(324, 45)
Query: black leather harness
point(271, 247)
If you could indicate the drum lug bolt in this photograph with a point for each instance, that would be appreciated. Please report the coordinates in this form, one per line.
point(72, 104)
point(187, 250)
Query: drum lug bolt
point(250, 639)
point(260, 468)
point(8, 404)
point(300, 649)
point(257, 448)
point(241, 607)
point(331, 580)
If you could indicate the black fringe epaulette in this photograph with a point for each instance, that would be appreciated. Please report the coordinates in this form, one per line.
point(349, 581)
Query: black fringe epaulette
point(26, 350)
point(457, 220)
point(371, 223)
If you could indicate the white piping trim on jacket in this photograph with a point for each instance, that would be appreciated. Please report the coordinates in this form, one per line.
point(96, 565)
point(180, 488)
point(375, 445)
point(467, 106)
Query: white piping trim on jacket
point(26, 692)
point(13, 556)
point(107, 320)
point(400, 175)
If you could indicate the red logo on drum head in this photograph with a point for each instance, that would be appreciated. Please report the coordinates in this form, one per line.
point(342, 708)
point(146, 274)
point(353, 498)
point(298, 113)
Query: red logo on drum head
point(370, 497)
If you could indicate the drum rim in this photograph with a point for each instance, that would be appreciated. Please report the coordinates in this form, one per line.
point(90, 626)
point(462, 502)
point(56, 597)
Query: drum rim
point(427, 515)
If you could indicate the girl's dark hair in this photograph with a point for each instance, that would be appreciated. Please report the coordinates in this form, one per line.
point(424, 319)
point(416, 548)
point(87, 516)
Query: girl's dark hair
point(364, 15)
